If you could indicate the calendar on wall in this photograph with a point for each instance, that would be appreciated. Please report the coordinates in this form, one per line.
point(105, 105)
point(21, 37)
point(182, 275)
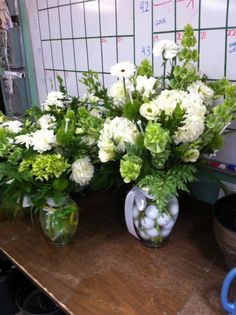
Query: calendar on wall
point(70, 37)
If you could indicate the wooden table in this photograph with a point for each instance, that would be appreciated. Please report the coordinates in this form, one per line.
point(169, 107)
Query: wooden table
point(105, 271)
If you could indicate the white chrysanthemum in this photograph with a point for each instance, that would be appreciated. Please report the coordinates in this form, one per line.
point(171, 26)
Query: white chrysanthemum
point(117, 92)
point(122, 70)
point(24, 139)
point(202, 89)
point(47, 121)
point(149, 111)
point(82, 171)
point(114, 135)
point(167, 47)
point(13, 126)
point(42, 140)
point(54, 98)
point(145, 85)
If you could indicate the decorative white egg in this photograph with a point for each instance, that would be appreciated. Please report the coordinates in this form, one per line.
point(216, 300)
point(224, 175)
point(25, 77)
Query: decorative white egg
point(165, 232)
point(169, 225)
point(143, 235)
point(152, 232)
point(140, 200)
point(151, 212)
point(173, 206)
point(163, 219)
point(135, 212)
point(147, 223)
point(136, 223)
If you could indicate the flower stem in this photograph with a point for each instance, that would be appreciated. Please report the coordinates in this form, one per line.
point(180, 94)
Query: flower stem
point(126, 95)
point(164, 75)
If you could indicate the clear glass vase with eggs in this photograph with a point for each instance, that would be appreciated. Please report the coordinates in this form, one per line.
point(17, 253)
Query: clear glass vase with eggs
point(145, 221)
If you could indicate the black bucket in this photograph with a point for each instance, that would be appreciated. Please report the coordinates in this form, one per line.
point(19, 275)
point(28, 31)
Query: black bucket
point(32, 301)
point(225, 227)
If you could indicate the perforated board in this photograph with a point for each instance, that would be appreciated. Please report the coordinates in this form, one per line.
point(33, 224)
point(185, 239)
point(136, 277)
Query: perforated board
point(70, 37)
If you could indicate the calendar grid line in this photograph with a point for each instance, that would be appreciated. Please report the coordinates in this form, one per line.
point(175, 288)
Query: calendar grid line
point(62, 53)
point(226, 37)
point(64, 5)
point(49, 30)
point(116, 30)
point(73, 44)
point(199, 32)
point(85, 33)
point(100, 31)
point(88, 37)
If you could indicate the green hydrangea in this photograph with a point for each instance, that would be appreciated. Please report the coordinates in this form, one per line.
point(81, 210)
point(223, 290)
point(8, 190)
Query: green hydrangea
point(156, 138)
point(49, 166)
point(130, 167)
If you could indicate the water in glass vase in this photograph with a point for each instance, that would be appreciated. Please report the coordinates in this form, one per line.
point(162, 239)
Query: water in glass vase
point(59, 220)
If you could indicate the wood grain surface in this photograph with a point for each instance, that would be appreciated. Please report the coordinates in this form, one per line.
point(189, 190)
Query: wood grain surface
point(105, 271)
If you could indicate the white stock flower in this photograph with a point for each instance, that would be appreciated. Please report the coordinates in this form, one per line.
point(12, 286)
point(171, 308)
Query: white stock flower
point(145, 85)
point(117, 92)
point(82, 171)
point(205, 92)
point(13, 126)
point(167, 47)
point(54, 98)
point(114, 135)
point(42, 140)
point(122, 70)
point(149, 111)
point(47, 121)
point(24, 139)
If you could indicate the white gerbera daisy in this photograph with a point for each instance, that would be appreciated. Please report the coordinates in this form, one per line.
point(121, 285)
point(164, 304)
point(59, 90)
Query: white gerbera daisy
point(82, 171)
point(122, 70)
point(24, 139)
point(166, 47)
point(47, 121)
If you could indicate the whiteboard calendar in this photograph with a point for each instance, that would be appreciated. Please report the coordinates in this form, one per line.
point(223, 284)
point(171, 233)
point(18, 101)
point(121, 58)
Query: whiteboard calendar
point(70, 37)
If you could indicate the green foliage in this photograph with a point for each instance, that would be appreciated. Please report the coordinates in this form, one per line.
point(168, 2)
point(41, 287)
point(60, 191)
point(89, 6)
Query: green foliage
point(145, 68)
point(65, 133)
point(163, 184)
point(106, 176)
point(184, 74)
point(62, 88)
point(219, 87)
point(174, 121)
point(130, 167)
point(131, 110)
point(5, 146)
point(156, 138)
